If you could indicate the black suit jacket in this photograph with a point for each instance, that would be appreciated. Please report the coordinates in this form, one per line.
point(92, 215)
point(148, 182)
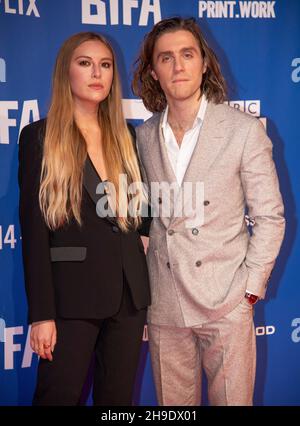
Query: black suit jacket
point(74, 272)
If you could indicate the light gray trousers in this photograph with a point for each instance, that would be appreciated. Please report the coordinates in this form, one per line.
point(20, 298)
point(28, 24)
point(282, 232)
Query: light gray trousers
point(226, 349)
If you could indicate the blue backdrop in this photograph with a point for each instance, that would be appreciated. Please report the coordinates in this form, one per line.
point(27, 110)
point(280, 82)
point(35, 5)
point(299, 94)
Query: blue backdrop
point(257, 43)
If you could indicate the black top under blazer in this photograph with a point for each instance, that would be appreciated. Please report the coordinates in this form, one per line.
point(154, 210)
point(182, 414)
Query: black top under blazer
point(74, 272)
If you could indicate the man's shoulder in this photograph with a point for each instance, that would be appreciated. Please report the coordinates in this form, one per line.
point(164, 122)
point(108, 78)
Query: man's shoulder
point(235, 116)
point(149, 124)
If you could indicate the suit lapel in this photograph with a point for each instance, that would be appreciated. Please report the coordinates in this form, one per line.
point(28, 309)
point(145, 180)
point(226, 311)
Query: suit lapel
point(158, 154)
point(163, 171)
point(210, 142)
point(91, 180)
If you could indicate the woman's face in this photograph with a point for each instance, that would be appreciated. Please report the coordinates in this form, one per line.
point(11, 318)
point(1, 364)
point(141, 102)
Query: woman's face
point(91, 73)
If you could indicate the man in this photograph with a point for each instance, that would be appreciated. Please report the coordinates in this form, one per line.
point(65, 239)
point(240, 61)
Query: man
point(205, 275)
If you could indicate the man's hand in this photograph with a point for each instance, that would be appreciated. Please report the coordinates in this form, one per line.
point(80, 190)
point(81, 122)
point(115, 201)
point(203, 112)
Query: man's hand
point(252, 298)
point(43, 338)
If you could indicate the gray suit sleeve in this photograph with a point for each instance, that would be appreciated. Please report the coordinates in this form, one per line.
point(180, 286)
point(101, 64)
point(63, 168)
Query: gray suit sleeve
point(264, 201)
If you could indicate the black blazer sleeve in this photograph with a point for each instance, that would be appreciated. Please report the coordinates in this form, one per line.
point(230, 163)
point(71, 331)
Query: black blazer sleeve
point(35, 233)
point(146, 221)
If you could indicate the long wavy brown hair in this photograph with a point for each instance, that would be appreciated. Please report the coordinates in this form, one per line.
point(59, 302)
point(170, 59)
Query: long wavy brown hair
point(144, 86)
point(65, 150)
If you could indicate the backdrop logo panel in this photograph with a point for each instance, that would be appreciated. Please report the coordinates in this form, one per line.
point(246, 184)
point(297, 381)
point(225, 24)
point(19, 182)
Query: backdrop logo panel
point(296, 332)
point(2, 70)
point(12, 346)
point(20, 7)
point(237, 9)
point(2, 330)
point(7, 237)
point(29, 112)
point(265, 330)
point(250, 107)
point(296, 72)
point(98, 12)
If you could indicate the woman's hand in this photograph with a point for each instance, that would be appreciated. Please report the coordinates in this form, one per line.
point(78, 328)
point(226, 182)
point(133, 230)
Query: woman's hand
point(43, 338)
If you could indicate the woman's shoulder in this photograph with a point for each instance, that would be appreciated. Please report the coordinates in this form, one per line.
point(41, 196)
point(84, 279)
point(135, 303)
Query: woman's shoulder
point(31, 138)
point(37, 129)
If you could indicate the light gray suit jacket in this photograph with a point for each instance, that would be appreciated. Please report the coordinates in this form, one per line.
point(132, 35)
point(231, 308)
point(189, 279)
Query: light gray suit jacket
point(200, 274)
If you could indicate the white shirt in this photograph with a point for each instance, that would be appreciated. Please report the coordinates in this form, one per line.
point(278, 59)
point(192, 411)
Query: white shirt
point(180, 156)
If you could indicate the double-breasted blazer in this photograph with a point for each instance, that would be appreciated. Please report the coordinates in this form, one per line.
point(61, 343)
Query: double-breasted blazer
point(200, 273)
point(74, 271)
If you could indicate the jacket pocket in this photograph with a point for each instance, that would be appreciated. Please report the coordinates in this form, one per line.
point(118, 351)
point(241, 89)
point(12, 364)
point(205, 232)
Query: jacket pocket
point(67, 254)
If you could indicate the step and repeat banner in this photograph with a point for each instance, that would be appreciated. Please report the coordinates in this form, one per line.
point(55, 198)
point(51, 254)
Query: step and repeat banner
point(258, 46)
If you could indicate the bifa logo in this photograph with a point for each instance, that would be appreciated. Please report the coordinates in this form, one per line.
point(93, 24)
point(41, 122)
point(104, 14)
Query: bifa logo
point(262, 331)
point(234, 9)
point(2, 71)
point(100, 12)
point(11, 346)
point(295, 76)
point(21, 6)
point(29, 109)
point(296, 332)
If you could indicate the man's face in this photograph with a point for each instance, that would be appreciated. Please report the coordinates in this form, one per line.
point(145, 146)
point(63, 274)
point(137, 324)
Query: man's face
point(178, 65)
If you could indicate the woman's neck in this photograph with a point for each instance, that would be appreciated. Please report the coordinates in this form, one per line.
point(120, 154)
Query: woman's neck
point(86, 116)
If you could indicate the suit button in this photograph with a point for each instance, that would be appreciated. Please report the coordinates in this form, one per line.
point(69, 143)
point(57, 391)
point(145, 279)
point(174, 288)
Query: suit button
point(195, 231)
point(159, 200)
point(198, 263)
point(206, 202)
point(168, 265)
point(171, 231)
point(115, 229)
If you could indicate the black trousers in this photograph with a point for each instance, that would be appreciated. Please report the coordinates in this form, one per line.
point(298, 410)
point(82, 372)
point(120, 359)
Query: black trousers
point(116, 343)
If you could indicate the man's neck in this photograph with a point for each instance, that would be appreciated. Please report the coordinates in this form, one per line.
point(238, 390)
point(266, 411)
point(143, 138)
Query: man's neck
point(181, 115)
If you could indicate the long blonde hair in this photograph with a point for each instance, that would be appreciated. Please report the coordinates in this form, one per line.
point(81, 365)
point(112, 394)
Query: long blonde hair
point(65, 150)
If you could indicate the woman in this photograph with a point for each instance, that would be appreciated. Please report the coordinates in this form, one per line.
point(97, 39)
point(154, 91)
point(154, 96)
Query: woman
point(85, 272)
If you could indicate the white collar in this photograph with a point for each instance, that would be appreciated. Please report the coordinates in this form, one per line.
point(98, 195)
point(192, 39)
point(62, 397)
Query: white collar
point(199, 117)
